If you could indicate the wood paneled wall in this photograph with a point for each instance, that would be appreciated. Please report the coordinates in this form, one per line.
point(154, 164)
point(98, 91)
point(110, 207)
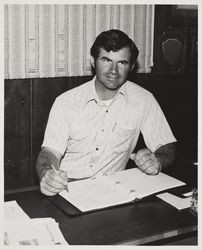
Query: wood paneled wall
point(17, 134)
point(28, 102)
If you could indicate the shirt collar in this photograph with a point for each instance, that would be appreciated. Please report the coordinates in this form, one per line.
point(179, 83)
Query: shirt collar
point(123, 91)
point(92, 95)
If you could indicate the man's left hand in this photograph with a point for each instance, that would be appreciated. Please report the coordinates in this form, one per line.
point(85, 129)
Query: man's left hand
point(146, 161)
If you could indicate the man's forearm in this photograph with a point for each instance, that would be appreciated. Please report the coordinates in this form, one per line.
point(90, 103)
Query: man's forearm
point(44, 162)
point(166, 154)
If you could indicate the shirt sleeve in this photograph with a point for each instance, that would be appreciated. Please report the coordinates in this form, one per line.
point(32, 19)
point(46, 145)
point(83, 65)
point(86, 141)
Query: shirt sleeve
point(57, 129)
point(155, 128)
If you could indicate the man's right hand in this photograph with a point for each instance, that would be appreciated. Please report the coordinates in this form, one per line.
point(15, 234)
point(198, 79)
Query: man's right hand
point(52, 182)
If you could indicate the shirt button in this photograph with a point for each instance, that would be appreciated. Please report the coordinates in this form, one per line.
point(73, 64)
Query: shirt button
point(97, 148)
point(103, 130)
point(106, 111)
point(91, 165)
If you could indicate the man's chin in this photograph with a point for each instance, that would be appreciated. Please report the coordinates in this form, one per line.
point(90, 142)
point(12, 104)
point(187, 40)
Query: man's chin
point(112, 88)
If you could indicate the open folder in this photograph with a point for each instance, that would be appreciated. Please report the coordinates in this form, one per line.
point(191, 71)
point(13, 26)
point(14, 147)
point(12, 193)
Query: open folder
point(111, 190)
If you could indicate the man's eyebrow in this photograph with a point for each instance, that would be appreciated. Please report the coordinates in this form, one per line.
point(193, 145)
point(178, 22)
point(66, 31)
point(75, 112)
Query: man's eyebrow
point(105, 57)
point(121, 61)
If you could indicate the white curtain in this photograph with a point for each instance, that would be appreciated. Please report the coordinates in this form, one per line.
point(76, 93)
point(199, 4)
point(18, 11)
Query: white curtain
point(55, 40)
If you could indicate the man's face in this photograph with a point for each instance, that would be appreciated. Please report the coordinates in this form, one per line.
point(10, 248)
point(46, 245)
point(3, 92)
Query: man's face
point(112, 68)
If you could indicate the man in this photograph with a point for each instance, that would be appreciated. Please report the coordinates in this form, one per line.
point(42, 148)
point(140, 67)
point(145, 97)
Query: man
point(93, 129)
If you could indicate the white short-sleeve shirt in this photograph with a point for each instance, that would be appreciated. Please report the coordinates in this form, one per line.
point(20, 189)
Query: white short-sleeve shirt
point(95, 138)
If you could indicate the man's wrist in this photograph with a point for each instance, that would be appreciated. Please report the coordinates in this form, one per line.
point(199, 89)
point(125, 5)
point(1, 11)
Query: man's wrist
point(160, 164)
point(42, 171)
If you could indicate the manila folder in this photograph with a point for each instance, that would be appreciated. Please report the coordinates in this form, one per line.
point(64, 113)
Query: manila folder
point(116, 189)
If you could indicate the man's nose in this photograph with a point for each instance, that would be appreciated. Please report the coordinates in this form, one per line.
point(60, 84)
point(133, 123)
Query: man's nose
point(114, 67)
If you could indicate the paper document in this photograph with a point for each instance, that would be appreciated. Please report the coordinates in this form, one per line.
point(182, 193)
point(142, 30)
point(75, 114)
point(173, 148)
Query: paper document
point(12, 211)
point(43, 231)
point(20, 229)
point(119, 188)
point(175, 201)
point(95, 193)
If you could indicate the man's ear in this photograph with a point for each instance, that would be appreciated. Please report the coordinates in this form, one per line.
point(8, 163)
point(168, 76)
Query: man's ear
point(92, 61)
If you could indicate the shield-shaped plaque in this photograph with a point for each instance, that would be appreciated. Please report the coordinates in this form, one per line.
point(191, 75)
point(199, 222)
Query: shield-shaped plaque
point(171, 49)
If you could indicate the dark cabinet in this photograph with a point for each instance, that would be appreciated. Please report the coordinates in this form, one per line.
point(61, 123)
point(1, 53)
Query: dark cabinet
point(17, 133)
point(27, 105)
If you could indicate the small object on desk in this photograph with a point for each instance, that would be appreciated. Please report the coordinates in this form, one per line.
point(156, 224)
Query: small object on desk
point(188, 194)
point(194, 202)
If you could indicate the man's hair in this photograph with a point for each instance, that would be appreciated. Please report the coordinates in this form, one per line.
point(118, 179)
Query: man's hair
point(114, 40)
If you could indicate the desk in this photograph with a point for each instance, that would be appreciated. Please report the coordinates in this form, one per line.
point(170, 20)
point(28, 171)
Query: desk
point(145, 222)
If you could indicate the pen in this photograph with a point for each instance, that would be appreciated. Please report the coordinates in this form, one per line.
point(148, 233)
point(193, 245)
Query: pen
point(57, 172)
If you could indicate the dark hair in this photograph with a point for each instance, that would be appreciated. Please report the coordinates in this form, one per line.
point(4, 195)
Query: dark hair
point(113, 40)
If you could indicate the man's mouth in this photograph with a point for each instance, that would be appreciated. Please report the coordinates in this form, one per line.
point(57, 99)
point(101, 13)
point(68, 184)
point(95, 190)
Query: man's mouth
point(112, 79)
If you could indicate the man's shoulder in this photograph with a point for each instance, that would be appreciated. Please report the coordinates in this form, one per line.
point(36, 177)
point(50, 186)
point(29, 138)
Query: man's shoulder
point(75, 92)
point(135, 90)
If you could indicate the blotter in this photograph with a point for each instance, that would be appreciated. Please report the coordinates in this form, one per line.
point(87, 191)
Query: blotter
point(111, 190)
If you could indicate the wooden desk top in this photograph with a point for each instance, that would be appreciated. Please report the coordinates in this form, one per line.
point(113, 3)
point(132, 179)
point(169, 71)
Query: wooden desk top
point(141, 223)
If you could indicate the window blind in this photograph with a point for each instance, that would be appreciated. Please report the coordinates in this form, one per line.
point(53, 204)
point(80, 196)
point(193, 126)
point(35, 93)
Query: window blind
point(55, 40)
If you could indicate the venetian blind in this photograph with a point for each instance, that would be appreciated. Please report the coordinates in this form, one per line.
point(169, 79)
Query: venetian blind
point(55, 40)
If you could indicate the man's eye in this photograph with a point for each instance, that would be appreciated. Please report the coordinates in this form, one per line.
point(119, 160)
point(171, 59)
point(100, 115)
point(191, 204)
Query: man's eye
point(123, 63)
point(104, 59)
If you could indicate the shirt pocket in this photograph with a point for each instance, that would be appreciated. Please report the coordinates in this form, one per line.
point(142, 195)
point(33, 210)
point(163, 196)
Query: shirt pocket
point(79, 140)
point(122, 139)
